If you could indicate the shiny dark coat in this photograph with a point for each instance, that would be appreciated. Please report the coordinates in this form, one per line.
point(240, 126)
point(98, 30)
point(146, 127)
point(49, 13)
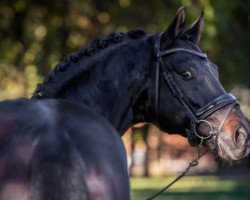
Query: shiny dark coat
point(55, 150)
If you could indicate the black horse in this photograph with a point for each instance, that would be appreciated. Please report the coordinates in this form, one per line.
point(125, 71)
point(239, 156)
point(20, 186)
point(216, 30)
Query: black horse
point(47, 153)
point(164, 79)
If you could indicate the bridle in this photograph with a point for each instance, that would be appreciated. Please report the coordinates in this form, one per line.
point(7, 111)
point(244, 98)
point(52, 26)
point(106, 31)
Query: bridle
point(196, 117)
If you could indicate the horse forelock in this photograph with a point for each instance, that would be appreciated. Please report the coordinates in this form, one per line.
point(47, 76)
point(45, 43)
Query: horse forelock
point(64, 71)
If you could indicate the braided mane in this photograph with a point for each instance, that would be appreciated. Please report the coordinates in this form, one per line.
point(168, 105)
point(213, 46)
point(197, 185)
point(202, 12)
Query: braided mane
point(64, 71)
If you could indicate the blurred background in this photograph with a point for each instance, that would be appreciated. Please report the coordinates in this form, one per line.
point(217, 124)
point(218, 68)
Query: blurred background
point(36, 34)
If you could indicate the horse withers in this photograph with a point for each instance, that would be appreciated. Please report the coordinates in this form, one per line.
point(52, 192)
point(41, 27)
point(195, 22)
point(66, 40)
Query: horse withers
point(164, 79)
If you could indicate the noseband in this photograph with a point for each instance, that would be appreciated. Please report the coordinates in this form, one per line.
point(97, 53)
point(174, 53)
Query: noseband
point(196, 117)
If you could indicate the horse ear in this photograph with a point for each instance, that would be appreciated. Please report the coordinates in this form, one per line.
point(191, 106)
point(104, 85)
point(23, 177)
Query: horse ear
point(174, 29)
point(194, 32)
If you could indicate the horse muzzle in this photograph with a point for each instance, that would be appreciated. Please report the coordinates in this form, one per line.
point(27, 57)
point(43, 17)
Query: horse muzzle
point(228, 132)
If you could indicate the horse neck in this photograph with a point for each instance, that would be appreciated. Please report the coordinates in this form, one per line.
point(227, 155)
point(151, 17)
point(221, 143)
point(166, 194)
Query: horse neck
point(116, 85)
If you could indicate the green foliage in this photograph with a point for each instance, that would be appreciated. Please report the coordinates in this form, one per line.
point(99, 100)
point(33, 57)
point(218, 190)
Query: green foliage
point(37, 34)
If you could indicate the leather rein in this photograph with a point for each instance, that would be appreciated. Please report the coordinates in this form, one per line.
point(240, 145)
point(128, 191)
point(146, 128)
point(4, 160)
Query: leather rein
point(196, 116)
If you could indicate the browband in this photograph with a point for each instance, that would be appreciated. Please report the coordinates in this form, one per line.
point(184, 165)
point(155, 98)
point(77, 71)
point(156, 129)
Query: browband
point(170, 51)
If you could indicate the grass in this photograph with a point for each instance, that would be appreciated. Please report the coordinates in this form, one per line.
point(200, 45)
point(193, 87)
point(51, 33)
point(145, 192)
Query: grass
point(192, 188)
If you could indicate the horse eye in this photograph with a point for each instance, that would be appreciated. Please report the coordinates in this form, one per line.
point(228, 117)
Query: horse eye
point(187, 74)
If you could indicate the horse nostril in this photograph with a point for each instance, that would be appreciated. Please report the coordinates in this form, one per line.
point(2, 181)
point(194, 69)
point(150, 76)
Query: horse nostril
point(240, 137)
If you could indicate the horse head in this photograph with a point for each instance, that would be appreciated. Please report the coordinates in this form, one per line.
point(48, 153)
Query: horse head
point(200, 108)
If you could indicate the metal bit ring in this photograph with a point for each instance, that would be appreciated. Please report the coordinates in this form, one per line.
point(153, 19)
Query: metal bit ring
point(210, 132)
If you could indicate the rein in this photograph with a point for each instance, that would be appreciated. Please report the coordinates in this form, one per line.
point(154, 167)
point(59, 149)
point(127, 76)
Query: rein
point(200, 152)
point(196, 116)
point(193, 163)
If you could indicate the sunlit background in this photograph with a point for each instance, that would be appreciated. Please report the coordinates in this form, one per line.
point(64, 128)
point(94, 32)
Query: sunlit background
point(36, 34)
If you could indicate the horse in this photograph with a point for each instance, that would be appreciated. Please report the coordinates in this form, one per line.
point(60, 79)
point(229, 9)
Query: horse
point(123, 79)
point(46, 153)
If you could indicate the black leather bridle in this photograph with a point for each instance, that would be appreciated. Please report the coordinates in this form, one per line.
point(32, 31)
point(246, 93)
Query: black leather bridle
point(196, 116)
